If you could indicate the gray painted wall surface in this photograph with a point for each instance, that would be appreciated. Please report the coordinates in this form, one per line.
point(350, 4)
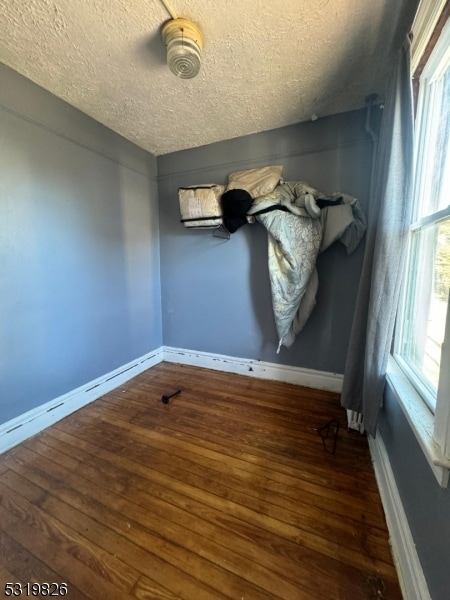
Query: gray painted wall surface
point(79, 248)
point(426, 504)
point(216, 294)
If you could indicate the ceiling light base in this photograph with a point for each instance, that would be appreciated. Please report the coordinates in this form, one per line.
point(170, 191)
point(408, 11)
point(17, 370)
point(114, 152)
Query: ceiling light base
point(184, 43)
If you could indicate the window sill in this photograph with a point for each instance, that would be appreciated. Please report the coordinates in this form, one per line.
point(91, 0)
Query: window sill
point(420, 419)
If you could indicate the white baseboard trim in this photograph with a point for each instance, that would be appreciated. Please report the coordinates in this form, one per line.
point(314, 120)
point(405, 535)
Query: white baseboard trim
point(32, 422)
point(409, 569)
point(320, 380)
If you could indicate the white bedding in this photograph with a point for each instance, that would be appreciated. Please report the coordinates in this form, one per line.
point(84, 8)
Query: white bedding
point(200, 205)
point(295, 239)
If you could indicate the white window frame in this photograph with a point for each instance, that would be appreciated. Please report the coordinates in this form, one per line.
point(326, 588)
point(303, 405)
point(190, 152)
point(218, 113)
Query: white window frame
point(432, 430)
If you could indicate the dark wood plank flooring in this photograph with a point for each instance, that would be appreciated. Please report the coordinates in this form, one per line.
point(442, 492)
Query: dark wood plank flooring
point(226, 492)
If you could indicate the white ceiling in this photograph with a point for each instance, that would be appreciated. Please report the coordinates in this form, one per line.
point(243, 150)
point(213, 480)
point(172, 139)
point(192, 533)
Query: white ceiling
point(265, 64)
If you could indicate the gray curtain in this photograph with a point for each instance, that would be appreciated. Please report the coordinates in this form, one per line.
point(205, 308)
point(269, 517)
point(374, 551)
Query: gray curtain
point(383, 265)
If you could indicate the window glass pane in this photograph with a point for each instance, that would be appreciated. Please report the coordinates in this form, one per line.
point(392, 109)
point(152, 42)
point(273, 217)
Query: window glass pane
point(426, 303)
point(435, 177)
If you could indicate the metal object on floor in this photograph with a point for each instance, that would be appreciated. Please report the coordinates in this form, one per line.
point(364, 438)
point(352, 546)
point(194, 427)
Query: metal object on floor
point(165, 399)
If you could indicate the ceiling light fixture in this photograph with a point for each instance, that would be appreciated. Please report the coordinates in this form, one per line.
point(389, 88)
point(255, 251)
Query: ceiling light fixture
point(184, 43)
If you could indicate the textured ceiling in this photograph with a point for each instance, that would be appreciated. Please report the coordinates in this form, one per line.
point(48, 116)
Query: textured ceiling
point(265, 64)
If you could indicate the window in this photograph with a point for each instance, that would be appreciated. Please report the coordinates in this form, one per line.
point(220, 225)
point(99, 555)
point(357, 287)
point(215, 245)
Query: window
point(422, 338)
point(425, 302)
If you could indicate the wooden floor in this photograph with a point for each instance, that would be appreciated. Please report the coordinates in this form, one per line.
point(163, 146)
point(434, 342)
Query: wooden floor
point(224, 493)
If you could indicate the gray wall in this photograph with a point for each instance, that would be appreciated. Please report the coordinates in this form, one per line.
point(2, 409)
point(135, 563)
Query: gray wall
point(215, 293)
point(426, 504)
point(79, 248)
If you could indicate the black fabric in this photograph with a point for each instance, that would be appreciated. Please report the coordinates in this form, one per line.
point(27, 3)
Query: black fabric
point(270, 209)
point(232, 224)
point(235, 206)
point(322, 203)
point(201, 218)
